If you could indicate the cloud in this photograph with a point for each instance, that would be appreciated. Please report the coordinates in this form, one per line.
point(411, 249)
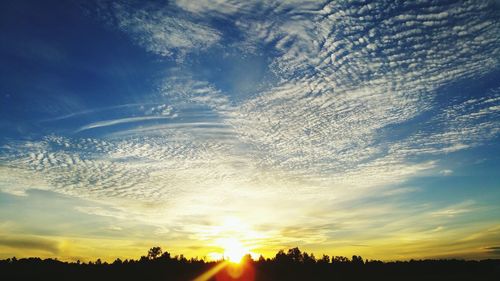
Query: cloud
point(493, 250)
point(31, 243)
point(180, 87)
point(346, 77)
point(455, 210)
point(107, 123)
point(161, 29)
point(339, 95)
point(97, 110)
point(99, 211)
point(446, 172)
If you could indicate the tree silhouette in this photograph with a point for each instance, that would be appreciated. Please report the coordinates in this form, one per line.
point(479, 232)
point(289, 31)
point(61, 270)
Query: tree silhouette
point(154, 253)
point(295, 255)
point(357, 260)
point(325, 259)
point(292, 264)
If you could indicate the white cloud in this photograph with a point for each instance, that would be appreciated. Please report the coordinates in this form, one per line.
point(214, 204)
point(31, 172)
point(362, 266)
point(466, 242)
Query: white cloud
point(446, 172)
point(181, 88)
point(162, 31)
point(455, 210)
point(321, 125)
point(107, 123)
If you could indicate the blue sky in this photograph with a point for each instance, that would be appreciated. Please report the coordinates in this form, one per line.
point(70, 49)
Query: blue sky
point(346, 127)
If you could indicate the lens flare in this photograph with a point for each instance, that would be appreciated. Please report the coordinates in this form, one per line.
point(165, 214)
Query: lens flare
point(233, 249)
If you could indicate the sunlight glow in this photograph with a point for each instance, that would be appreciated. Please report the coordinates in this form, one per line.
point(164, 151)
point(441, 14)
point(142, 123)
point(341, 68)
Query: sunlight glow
point(233, 249)
point(233, 238)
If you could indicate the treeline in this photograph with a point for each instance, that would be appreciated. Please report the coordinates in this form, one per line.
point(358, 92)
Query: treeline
point(285, 265)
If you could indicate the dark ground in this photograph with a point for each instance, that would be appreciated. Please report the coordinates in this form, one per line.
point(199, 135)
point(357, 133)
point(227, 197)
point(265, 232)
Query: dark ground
point(291, 265)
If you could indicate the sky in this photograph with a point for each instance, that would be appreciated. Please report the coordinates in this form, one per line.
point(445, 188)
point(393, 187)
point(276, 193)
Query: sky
point(341, 127)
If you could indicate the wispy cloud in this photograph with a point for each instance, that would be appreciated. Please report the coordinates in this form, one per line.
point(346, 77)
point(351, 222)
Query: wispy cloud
point(493, 250)
point(161, 30)
point(31, 243)
point(344, 82)
point(446, 172)
point(107, 123)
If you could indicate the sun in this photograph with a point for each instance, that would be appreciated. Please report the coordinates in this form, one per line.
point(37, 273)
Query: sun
point(234, 250)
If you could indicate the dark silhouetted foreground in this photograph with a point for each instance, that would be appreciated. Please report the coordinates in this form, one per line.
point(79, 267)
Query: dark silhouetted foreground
point(290, 265)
